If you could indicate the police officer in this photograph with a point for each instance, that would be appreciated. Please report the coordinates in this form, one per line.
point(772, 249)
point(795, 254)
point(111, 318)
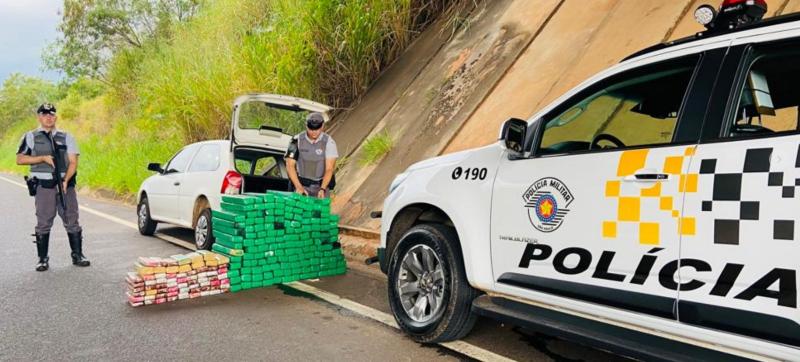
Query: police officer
point(36, 149)
point(311, 159)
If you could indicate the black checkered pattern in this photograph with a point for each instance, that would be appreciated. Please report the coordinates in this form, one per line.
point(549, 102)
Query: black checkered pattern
point(728, 189)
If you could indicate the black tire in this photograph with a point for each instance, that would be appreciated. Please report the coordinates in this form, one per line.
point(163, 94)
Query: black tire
point(455, 319)
point(147, 226)
point(203, 243)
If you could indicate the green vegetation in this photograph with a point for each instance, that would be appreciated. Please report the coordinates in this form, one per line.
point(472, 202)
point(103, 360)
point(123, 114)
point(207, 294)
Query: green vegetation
point(376, 147)
point(145, 78)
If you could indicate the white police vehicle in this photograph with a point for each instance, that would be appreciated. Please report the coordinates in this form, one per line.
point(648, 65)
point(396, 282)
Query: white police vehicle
point(653, 210)
point(185, 190)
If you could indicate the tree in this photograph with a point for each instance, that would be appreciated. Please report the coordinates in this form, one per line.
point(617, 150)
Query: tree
point(92, 31)
point(20, 95)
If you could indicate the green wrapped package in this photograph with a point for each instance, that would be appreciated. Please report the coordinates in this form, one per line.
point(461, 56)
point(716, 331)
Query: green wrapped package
point(225, 250)
point(224, 215)
point(241, 199)
point(277, 237)
point(239, 208)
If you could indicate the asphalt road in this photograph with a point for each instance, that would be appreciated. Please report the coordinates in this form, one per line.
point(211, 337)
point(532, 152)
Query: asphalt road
point(70, 313)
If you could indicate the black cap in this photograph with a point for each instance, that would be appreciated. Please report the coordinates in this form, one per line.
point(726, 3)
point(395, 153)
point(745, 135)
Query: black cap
point(314, 120)
point(46, 108)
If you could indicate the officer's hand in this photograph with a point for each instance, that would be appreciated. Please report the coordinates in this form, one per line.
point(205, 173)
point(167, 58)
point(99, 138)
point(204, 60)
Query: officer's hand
point(321, 193)
point(302, 191)
point(64, 185)
point(48, 160)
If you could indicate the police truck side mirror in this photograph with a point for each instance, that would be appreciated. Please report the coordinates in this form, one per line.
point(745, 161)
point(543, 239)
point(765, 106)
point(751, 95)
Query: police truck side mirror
point(156, 167)
point(512, 136)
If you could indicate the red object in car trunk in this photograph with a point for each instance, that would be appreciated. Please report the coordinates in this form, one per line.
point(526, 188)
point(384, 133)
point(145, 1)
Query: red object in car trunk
point(232, 183)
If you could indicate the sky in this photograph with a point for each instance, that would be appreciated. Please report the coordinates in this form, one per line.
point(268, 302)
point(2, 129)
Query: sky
point(26, 27)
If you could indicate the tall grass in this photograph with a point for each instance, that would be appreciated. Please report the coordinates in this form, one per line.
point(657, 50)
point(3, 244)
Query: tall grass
point(179, 89)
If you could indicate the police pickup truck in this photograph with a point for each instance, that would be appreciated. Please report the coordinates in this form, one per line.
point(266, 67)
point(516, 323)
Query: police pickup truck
point(654, 210)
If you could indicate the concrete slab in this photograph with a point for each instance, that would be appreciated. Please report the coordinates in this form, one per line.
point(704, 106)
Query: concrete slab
point(789, 6)
point(441, 98)
point(351, 127)
point(631, 26)
point(552, 53)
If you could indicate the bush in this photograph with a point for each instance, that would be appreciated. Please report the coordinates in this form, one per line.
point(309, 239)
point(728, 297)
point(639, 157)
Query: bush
point(376, 147)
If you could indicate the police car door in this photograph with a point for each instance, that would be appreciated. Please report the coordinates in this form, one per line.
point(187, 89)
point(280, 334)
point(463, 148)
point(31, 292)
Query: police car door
point(595, 212)
point(739, 270)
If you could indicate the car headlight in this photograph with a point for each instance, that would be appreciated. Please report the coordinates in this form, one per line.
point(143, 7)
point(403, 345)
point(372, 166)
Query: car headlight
point(397, 181)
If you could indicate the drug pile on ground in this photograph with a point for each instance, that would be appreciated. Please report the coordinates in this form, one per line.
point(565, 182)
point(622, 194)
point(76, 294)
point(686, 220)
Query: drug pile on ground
point(276, 238)
point(161, 280)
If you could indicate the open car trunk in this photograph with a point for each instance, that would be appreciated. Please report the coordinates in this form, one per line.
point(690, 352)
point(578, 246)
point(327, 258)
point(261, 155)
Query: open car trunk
point(261, 169)
point(269, 120)
point(261, 131)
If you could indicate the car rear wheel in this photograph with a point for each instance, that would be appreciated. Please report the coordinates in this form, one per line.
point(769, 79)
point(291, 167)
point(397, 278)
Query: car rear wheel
point(429, 294)
point(147, 226)
point(203, 235)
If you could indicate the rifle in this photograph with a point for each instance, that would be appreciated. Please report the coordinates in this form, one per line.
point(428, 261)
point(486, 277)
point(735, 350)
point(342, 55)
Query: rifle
point(58, 160)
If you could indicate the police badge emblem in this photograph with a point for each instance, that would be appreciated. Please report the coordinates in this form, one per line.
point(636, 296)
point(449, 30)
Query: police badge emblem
point(547, 201)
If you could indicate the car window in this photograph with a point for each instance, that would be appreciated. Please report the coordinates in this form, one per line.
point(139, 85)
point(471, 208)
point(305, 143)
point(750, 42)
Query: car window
point(254, 114)
point(269, 165)
point(628, 111)
point(207, 159)
point(179, 162)
point(769, 99)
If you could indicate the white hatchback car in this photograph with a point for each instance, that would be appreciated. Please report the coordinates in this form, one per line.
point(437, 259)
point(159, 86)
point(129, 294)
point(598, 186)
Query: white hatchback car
point(184, 191)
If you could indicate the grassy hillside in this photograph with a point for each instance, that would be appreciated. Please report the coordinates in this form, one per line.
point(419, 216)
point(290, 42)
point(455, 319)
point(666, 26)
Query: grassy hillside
point(178, 88)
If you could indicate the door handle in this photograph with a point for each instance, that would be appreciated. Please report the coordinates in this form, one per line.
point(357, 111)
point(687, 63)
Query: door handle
point(651, 176)
point(647, 177)
point(176, 183)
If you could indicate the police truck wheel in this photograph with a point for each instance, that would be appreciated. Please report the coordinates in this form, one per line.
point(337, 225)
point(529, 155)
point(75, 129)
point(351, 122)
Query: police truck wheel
point(428, 290)
point(147, 226)
point(203, 236)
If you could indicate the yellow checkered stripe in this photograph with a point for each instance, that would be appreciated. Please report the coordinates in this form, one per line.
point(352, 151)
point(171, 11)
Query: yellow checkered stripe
point(629, 207)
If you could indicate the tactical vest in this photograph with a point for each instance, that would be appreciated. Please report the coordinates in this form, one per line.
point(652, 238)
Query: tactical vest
point(42, 147)
point(311, 161)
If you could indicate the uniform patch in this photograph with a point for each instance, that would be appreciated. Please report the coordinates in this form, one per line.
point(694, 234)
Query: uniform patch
point(547, 201)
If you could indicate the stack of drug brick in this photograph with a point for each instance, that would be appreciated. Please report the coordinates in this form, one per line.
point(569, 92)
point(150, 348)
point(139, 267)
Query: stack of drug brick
point(277, 237)
point(161, 280)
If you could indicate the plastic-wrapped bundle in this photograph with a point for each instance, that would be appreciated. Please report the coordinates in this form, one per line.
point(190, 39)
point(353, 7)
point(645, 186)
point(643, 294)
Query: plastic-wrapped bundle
point(160, 280)
point(277, 238)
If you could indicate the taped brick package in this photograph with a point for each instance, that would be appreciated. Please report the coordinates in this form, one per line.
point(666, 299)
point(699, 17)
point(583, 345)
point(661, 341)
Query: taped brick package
point(277, 237)
point(160, 280)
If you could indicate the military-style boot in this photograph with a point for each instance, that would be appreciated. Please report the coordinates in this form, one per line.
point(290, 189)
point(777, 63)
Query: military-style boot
point(75, 242)
point(42, 243)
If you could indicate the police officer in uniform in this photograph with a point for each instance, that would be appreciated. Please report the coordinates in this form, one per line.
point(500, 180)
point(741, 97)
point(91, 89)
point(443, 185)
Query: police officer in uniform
point(311, 159)
point(36, 149)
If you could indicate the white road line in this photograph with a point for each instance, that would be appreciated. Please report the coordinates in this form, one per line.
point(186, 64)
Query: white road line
point(461, 347)
point(464, 348)
point(117, 220)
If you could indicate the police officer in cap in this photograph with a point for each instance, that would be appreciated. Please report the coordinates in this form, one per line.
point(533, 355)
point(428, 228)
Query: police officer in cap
point(40, 149)
point(311, 159)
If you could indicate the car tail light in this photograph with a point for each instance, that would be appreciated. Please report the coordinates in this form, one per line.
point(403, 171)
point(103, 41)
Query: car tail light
point(232, 183)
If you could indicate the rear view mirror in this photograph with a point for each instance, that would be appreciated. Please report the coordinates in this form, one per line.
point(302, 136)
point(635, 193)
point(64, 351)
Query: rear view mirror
point(156, 167)
point(513, 136)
